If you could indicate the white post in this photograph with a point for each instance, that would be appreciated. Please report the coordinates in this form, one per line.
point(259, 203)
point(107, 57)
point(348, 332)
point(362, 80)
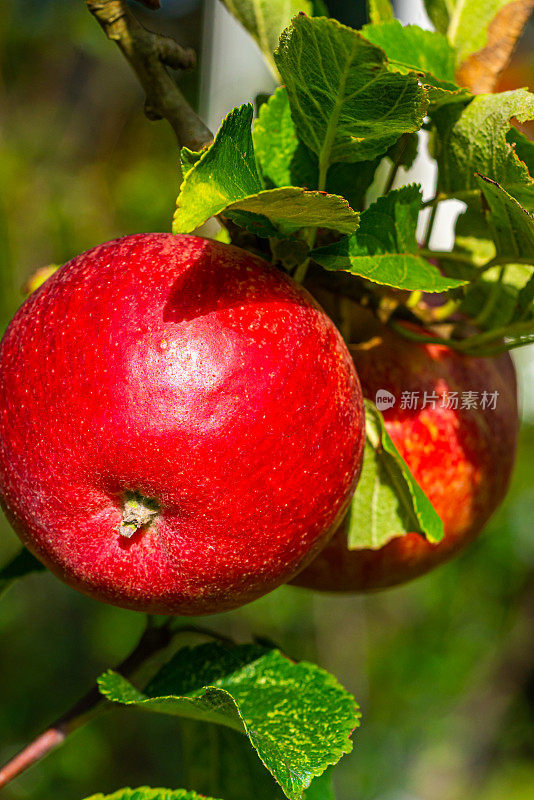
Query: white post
point(233, 68)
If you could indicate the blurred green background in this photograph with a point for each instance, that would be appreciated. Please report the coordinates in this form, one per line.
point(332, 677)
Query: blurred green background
point(443, 668)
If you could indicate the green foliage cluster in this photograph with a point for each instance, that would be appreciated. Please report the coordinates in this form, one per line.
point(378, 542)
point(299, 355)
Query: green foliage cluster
point(351, 99)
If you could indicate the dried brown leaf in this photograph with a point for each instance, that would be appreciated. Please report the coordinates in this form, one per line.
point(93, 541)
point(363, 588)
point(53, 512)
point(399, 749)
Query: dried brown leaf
point(479, 72)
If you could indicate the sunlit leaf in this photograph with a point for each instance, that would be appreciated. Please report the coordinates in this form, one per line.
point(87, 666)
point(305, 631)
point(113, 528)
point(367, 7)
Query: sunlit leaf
point(384, 249)
point(346, 104)
point(296, 716)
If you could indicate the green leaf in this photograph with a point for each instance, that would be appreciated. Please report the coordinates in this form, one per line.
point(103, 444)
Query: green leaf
point(189, 158)
point(465, 22)
point(220, 761)
point(388, 501)
point(290, 209)
point(525, 300)
point(346, 104)
point(501, 295)
point(225, 180)
point(379, 10)
point(439, 13)
point(289, 252)
point(404, 151)
point(285, 160)
point(352, 181)
point(146, 793)
point(384, 249)
point(224, 173)
point(266, 19)
point(473, 236)
point(297, 716)
point(22, 564)
point(524, 149)
point(412, 49)
point(474, 139)
point(511, 224)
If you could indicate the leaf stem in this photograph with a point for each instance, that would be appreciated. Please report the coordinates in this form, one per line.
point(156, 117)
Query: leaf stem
point(308, 235)
point(323, 172)
point(499, 260)
point(462, 194)
point(443, 312)
point(462, 258)
point(395, 165)
point(449, 255)
point(311, 233)
point(494, 340)
point(491, 301)
point(154, 639)
point(430, 226)
point(301, 270)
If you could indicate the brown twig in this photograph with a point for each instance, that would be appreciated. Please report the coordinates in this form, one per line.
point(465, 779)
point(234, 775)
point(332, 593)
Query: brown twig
point(149, 54)
point(154, 639)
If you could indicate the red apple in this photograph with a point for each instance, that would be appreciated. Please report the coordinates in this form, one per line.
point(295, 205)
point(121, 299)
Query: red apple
point(181, 425)
point(462, 458)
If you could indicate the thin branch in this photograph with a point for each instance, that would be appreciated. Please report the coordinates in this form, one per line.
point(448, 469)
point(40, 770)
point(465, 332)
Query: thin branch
point(486, 343)
point(430, 226)
point(500, 260)
point(149, 54)
point(464, 258)
point(463, 194)
point(154, 639)
point(449, 255)
point(396, 164)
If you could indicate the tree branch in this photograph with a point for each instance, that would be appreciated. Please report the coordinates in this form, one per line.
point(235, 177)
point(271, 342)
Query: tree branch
point(149, 54)
point(154, 639)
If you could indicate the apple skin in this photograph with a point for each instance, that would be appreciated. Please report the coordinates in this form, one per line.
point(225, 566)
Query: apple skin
point(198, 376)
point(462, 458)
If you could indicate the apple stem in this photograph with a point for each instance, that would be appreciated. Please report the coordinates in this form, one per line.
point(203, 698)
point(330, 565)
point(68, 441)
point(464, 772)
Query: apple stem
point(137, 512)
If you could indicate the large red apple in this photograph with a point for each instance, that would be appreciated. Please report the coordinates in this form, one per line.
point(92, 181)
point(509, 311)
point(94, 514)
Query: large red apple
point(461, 457)
point(181, 425)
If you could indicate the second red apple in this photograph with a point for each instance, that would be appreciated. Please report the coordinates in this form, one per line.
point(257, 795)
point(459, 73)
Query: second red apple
point(455, 422)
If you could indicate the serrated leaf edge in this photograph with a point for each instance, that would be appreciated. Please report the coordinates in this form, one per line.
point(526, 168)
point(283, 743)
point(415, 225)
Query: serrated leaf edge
point(335, 753)
point(170, 794)
point(235, 111)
